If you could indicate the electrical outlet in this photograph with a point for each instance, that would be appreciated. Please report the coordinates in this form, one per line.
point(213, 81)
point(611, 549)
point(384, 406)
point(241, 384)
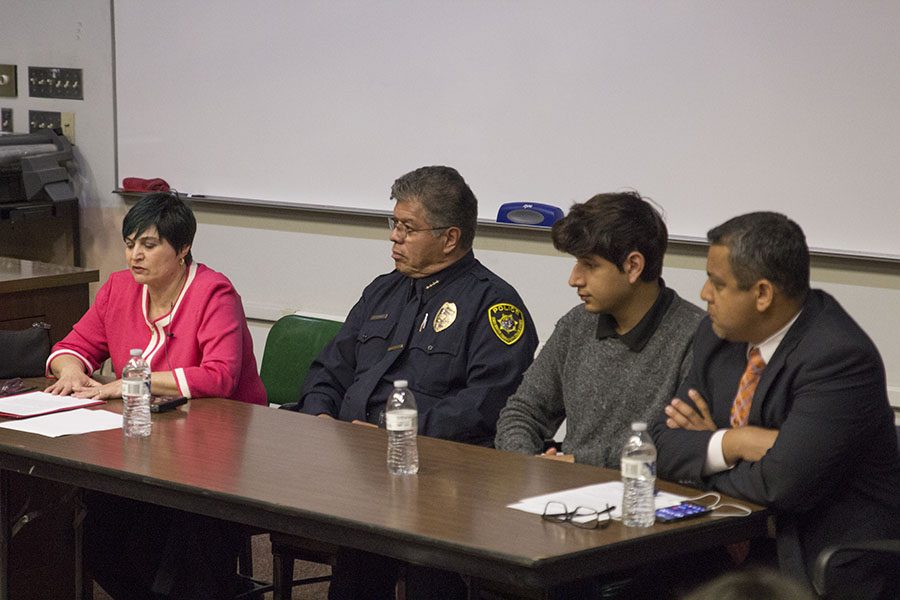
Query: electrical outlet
point(67, 122)
point(54, 82)
point(6, 125)
point(8, 81)
point(43, 119)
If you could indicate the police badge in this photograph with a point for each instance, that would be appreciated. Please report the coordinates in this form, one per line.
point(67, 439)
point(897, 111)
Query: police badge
point(445, 316)
point(507, 321)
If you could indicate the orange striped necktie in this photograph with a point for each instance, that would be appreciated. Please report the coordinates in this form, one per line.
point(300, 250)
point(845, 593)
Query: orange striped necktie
point(740, 410)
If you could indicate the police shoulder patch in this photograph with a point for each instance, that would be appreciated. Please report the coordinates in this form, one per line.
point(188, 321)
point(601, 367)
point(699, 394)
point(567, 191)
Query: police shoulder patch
point(507, 321)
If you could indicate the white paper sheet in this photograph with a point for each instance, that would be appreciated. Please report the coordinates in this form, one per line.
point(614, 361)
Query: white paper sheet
point(70, 422)
point(595, 496)
point(41, 403)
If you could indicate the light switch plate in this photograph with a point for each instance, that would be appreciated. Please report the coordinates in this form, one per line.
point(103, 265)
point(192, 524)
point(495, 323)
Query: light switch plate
point(55, 82)
point(8, 87)
point(6, 120)
point(43, 119)
point(67, 122)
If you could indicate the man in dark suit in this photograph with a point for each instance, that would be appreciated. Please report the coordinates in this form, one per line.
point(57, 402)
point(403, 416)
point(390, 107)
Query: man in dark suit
point(786, 402)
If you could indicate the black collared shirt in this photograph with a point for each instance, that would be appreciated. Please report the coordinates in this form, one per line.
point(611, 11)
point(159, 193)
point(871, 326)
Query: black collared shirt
point(638, 336)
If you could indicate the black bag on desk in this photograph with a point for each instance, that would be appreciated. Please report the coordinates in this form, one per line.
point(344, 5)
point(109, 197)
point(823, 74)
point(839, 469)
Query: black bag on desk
point(24, 353)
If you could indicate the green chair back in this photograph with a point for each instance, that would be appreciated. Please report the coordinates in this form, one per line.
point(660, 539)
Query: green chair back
point(292, 344)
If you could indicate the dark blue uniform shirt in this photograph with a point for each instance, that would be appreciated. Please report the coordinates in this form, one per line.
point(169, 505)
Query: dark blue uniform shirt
point(461, 337)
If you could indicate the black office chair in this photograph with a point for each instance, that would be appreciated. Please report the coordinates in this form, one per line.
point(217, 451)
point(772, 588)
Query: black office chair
point(884, 555)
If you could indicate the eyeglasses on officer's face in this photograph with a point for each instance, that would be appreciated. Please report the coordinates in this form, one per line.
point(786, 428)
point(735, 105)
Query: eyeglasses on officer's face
point(581, 516)
point(404, 230)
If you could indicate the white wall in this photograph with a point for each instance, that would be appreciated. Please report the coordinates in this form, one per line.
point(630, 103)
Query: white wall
point(74, 34)
point(285, 261)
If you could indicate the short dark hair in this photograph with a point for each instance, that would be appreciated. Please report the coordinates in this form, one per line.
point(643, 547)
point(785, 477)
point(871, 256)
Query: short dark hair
point(446, 197)
point(611, 226)
point(765, 245)
point(173, 219)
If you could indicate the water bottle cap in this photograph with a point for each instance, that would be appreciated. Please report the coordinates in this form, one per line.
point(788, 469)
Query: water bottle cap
point(401, 383)
point(639, 426)
point(136, 352)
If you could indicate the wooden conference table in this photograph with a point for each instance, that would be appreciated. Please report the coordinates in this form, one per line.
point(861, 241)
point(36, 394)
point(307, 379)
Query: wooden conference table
point(327, 480)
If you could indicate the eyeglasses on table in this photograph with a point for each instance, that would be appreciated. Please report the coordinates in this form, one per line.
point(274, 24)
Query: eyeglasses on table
point(584, 517)
point(9, 387)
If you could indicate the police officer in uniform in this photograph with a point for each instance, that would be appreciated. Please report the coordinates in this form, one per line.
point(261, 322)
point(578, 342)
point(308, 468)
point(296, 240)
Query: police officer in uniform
point(456, 331)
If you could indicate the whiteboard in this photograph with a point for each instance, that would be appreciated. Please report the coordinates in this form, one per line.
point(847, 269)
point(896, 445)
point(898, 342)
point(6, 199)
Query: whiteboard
point(711, 108)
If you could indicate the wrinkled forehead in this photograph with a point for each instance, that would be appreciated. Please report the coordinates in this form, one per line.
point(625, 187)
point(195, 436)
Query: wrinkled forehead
point(411, 211)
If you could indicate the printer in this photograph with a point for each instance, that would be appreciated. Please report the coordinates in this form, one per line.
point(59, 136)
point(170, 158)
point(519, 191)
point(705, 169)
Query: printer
point(33, 167)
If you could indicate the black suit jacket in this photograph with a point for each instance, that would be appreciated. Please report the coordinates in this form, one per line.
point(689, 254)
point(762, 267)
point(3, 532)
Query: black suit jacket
point(833, 474)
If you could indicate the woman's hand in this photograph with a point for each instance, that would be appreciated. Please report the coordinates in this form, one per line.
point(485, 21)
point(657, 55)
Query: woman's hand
point(78, 384)
point(98, 391)
point(71, 379)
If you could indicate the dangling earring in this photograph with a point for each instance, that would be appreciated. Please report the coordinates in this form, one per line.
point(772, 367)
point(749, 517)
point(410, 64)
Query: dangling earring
point(181, 261)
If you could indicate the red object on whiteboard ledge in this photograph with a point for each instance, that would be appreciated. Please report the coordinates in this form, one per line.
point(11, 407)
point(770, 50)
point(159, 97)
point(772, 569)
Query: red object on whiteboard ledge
point(136, 184)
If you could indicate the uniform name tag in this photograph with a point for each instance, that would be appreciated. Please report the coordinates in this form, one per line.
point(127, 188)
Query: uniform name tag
point(381, 317)
point(395, 347)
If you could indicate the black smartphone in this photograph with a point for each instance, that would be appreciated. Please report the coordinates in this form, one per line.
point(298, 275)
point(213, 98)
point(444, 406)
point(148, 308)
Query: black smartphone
point(679, 512)
point(163, 403)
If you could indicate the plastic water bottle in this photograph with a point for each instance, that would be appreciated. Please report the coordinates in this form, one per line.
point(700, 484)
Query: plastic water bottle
point(136, 396)
point(638, 478)
point(401, 419)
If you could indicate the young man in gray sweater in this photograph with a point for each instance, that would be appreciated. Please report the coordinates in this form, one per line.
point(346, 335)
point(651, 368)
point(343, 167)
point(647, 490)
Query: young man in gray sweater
point(617, 357)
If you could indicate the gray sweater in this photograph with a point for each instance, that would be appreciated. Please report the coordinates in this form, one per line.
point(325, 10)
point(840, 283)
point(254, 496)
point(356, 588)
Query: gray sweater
point(599, 386)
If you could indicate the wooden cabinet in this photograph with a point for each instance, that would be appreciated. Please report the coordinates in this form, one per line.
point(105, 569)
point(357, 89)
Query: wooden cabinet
point(34, 291)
